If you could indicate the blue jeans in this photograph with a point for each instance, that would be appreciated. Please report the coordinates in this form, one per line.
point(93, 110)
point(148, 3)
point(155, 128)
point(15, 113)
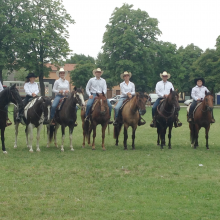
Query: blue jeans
point(118, 106)
point(54, 105)
point(192, 107)
point(90, 102)
point(154, 108)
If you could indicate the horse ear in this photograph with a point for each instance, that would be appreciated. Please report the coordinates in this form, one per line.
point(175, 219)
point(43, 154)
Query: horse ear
point(171, 90)
point(14, 86)
point(75, 88)
point(97, 94)
point(103, 93)
point(205, 92)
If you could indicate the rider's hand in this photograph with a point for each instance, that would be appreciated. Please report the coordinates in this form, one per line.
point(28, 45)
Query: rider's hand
point(91, 96)
point(198, 99)
point(130, 96)
point(66, 91)
point(61, 91)
point(33, 94)
point(165, 96)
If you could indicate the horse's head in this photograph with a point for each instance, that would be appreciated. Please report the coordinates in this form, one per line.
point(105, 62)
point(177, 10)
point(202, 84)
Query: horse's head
point(14, 96)
point(102, 102)
point(78, 95)
point(46, 105)
point(208, 100)
point(141, 102)
point(173, 99)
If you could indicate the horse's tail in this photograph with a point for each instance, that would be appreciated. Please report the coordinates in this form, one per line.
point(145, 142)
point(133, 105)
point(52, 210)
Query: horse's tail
point(86, 128)
point(117, 130)
point(51, 130)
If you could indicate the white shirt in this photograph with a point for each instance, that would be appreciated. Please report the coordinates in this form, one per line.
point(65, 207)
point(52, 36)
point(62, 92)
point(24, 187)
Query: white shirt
point(30, 88)
point(126, 88)
point(198, 92)
point(163, 88)
point(61, 84)
point(1, 87)
point(95, 85)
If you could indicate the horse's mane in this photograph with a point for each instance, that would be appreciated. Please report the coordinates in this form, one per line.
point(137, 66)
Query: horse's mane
point(208, 93)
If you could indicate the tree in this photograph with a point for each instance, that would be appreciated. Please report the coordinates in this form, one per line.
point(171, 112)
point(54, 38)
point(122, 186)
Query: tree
point(81, 74)
point(11, 13)
point(44, 36)
point(80, 59)
point(129, 45)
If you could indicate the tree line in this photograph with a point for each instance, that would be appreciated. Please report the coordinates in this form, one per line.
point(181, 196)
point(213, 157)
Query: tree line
point(34, 33)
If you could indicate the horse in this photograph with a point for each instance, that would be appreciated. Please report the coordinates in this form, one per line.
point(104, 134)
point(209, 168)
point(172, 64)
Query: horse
point(166, 116)
point(202, 118)
point(10, 94)
point(34, 114)
point(66, 117)
point(130, 116)
point(99, 115)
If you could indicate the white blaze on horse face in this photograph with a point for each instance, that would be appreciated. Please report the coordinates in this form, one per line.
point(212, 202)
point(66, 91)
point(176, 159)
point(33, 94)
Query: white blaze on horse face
point(81, 98)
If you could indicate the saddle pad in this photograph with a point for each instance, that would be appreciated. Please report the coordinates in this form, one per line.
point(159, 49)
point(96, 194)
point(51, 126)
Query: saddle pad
point(94, 104)
point(61, 102)
point(194, 109)
point(124, 102)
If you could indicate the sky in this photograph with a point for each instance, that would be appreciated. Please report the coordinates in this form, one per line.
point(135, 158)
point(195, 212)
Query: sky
point(182, 22)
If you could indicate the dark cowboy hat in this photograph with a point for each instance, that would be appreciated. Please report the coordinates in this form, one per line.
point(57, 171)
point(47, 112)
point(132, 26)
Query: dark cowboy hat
point(30, 75)
point(199, 78)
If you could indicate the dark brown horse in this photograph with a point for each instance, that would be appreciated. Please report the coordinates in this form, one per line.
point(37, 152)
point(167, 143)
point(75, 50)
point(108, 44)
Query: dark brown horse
point(202, 118)
point(130, 116)
point(166, 116)
point(8, 95)
point(66, 117)
point(99, 115)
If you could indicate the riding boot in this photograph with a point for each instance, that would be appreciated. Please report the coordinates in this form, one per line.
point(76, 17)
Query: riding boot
point(86, 118)
point(75, 124)
point(46, 121)
point(141, 122)
point(52, 122)
point(8, 122)
point(18, 119)
point(190, 118)
point(177, 122)
point(115, 123)
point(110, 122)
point(153, 123)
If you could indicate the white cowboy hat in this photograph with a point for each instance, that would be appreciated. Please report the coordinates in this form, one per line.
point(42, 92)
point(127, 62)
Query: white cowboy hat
point(165, 74)
point(125, 73)
point(61, 70)
point(97, 70)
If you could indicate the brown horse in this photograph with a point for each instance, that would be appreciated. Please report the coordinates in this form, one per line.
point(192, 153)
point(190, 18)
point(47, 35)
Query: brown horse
point(99, 115)
point(129, 116)
point(165, 117)
point(202, 118)
point(66, 117)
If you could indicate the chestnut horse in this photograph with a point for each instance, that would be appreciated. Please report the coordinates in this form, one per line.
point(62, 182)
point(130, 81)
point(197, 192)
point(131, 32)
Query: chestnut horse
point(166, 116)
point(99, 115)
point(202, 118)
point(129, 116)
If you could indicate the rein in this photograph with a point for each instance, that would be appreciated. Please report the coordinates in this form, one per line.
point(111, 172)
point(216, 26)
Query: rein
point(161, 114)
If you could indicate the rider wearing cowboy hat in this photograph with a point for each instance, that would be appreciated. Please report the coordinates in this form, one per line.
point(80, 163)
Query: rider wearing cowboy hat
point(163, 90)
point(198, 94)
point(127, 91)
point(96, 85)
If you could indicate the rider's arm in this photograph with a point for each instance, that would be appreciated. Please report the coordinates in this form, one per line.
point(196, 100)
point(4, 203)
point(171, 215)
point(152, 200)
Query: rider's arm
point(1, 87)
point(105, 87)
point(193, 94)
point(157, 90)
point(133, 89)
point(36, 89)
point(88, 87)
point(27, 90)
point(55, 87)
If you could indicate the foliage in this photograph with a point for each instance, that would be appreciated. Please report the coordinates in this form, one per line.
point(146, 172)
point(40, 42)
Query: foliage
point(80, 59)
point(44, 36)
point(129, 44)
point(147, 183)
point(81, 74)
point(21, 74)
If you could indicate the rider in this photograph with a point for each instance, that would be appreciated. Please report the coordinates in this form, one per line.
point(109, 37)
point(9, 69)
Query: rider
point(198, 94)
point(163, 90)
point(127, 91)
point(96, 85)
point(61, 87)
point(30, 87)
point(8, 122)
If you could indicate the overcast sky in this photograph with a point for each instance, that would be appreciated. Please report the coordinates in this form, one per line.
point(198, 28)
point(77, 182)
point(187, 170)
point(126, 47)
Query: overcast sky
point(182, 22)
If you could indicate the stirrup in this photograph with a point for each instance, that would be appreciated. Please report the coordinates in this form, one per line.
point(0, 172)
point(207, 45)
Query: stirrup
point(153, 124)
point(212, 120)
point(115, 123)
point(8, 122)
point(52, 122)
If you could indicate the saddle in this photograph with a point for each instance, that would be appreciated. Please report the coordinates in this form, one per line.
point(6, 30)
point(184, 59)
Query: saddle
point(61, 102)
point(198, 104)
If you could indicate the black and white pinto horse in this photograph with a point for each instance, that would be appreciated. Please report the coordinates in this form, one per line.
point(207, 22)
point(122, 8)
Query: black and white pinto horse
point(10, 94)
point(34, 114)
point(66, 117)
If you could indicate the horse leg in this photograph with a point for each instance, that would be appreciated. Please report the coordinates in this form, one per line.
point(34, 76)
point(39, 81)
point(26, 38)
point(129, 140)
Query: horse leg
point(162, 137)
point(133, 137)
point(71, 138)
point(30, 133)
point(103, 136)
point(158, 135)
point(169, 135)
point(90, 131)
point(63, 137)
point(207, 136)
point(94, 135)
point(16, 135)
point(55, 135)
point(125, 136)
point(38, 137)
point(48, 135)
point(26, 134)
point(3, 140)
point(196, 135)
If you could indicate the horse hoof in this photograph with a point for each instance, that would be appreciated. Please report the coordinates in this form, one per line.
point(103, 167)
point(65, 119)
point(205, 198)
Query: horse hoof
point(104, 149)
point(31, 151)
point(5, 152)
point(125, 149)
point(72, 149)
point(133, 148)
point(15, 146)
point(83, 146)
point(93, 148)
point(62, 150)
point(38, 150)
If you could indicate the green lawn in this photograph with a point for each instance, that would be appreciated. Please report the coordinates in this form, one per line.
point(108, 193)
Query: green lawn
point(147, 183)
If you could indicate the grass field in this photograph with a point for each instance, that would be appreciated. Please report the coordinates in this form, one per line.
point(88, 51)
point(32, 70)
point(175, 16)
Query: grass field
point(147, 183)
